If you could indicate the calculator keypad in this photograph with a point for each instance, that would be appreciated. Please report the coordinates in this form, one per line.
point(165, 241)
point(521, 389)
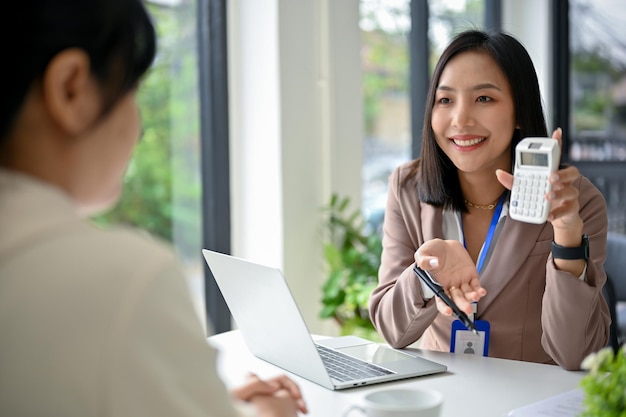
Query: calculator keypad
point(528, 195)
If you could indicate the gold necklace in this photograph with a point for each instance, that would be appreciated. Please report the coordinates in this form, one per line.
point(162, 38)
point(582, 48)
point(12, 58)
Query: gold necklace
point(482, 206)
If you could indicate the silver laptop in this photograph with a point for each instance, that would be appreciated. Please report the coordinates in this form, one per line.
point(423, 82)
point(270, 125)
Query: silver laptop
point(273, 328)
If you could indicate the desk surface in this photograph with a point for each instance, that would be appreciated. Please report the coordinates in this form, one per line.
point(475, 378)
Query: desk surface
point(472, 386)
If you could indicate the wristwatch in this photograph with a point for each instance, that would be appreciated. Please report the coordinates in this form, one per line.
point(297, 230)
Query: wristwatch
point(580, 252)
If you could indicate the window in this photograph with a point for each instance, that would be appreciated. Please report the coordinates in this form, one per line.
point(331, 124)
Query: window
point(449, 17)
point(162, 190)
point(385, 27)
point(589, 72)
point(597, 80)
point(385, 58)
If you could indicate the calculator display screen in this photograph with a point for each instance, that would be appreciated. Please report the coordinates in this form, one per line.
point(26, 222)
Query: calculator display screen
point(534, 159)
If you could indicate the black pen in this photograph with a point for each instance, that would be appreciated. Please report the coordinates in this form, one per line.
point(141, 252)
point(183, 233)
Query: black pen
point(439, 292)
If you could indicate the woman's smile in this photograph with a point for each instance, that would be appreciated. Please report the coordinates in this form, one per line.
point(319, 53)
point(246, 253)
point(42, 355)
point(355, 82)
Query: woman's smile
point(467, 142)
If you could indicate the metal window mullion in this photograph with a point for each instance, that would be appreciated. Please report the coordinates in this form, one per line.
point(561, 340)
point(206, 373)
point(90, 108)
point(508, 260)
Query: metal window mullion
point(419, 51)
point(561, 71)
point(214, 148)
point(493, 15)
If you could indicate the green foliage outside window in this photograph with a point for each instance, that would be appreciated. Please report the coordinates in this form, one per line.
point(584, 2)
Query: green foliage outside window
point(163, 179)
point(594, 75)
point(386, 71)
point(147, 196)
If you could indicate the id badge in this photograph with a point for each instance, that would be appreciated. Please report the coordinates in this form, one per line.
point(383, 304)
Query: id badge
point(465, 341)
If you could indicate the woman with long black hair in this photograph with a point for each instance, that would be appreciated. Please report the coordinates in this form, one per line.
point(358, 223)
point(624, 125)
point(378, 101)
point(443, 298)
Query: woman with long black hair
point(535, 288)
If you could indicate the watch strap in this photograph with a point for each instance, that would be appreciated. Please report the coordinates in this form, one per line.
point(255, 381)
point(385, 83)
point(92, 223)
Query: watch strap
point(580, 252)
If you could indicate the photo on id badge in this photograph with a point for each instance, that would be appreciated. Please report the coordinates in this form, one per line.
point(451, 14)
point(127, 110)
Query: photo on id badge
point(466, 342)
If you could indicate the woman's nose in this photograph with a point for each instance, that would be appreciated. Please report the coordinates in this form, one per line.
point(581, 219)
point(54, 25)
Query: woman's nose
point(462, 116)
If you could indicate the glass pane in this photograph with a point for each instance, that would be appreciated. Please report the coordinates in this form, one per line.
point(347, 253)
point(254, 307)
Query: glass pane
point(385, 26)
point(449, 17)
point(162, 190)
point(598, 80)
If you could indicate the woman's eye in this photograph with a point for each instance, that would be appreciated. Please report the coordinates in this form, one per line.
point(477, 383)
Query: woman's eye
point(484, 99)
point(443, 100)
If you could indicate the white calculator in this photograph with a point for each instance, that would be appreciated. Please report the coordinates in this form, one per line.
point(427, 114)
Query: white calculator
point(535, 160)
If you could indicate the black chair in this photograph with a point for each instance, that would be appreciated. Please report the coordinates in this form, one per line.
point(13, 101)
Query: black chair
point(609, 294)
point(615, 288)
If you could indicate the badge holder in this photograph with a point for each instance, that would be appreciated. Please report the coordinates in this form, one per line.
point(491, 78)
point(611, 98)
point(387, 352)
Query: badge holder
point(467, 342)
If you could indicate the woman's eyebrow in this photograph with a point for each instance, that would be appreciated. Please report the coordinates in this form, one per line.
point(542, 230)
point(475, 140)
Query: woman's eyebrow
point(481, 86)
point(486, 86)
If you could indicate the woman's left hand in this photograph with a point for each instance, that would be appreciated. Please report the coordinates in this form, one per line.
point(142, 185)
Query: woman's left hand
point(564, 211)
point(563, 196)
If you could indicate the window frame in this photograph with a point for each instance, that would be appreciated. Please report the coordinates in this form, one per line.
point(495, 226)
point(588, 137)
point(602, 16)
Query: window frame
point(214, 148)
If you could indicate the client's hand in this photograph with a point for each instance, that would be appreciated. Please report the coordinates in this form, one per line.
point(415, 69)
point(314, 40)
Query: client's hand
point(451, 266)
point(275, 397)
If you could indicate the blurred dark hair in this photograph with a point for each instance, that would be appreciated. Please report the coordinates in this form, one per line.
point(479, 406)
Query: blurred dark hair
point(439, 181)
point(118, 36)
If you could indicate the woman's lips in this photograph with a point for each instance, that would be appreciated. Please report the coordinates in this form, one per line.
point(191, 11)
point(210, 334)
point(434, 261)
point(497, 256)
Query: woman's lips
point(468, 141)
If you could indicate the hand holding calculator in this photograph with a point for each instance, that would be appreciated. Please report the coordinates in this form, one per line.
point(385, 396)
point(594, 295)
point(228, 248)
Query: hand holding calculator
point(535, 160)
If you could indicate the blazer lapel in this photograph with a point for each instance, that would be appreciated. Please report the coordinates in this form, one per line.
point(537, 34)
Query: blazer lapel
point(516, 240)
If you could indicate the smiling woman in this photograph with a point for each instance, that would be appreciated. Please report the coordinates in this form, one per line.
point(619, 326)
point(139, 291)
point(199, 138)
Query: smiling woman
point(447, 212)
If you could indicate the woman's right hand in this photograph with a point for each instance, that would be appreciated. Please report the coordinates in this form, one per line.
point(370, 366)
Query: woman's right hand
point(452, 267)
point(276, 397)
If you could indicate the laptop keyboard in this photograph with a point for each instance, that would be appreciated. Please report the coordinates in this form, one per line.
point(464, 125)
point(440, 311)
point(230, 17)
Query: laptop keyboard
point(346, 368)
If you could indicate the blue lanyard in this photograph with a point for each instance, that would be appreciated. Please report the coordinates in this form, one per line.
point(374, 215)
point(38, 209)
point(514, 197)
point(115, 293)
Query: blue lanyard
point(490, 233)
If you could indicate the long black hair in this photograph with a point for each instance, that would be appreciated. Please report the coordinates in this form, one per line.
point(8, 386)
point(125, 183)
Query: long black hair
point(117, 35)
point(438, 177)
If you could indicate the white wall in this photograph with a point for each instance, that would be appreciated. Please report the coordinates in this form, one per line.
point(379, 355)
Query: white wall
point(255, 117)
point(296, 129)
point(529, 22)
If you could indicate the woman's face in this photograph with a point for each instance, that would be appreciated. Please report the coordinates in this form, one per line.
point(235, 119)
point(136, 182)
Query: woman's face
point(473, 116)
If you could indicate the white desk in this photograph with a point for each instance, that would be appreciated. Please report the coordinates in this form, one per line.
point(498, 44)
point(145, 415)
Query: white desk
point(472, 386)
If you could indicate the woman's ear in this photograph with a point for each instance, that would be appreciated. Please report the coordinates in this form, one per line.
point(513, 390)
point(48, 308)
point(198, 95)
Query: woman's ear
point(70, 94)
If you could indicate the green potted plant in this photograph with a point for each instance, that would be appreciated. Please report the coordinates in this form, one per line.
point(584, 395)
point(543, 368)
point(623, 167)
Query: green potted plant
point(604, 386)
point(352, 259)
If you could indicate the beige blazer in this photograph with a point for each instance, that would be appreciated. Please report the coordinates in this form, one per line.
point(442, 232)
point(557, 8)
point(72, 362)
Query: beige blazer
point(94, 322)
point(536, 312)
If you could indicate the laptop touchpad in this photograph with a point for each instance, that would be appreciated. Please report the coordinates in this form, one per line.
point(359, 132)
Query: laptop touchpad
point(375, 353)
